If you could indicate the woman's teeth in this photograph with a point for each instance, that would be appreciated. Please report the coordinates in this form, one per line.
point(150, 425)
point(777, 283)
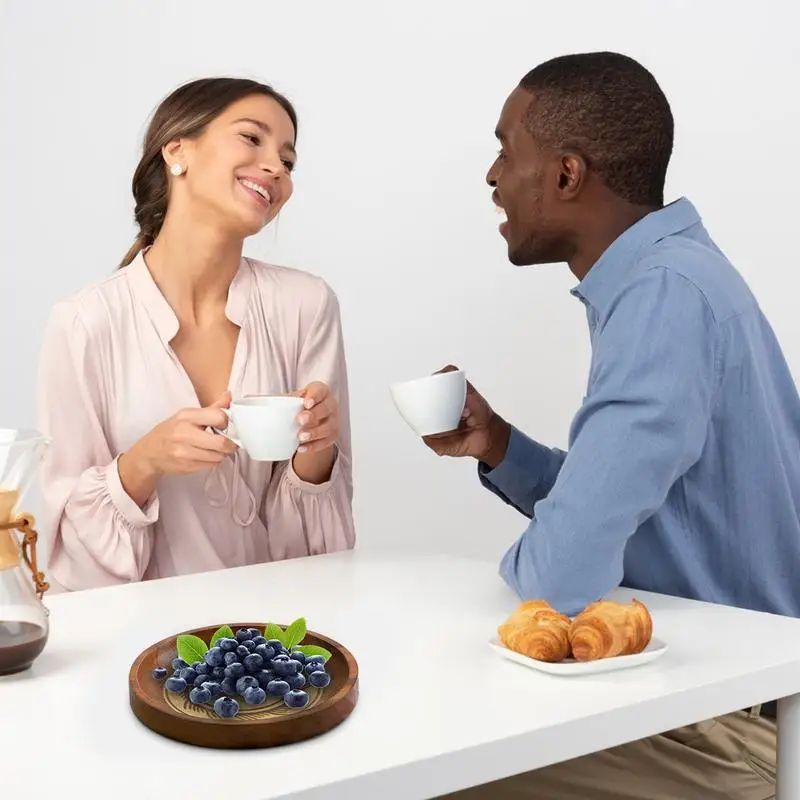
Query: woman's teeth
point(256, 188)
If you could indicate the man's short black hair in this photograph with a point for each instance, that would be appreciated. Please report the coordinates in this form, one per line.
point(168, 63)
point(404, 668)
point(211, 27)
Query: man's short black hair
point(608, 108)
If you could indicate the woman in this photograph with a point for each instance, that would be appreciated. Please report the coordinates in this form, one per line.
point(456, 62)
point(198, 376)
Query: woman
point(135, 370)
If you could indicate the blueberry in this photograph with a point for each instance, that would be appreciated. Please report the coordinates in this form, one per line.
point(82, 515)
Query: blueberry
point(200, 680)
point(296, 681)
point(227, 645)
point(231, 658)
point(254, 696)
point(265, 651)
point(313, 667)
point(217, 674)
point(295, 698)
point(214, 688)
point(243, 684)
point(278, 688)
point(159, 673)
point(188, 674)
point(199, 695)
point(195, 664)
point(226, 707)
point(202, 668)
point(249, 644)
point(253, 663)
point(234, 671)
point(275, 644)
point(280, 657)
point(214, 657)
point(315, 660)
point(254, 632)
point(242, 651)
point(296, 655)
point(178, 663)
point(264, 677)
point(242, 634)
point(176, 685)
point(286, 668)
point(319, 679)
point(228, 686)
point(259, 640)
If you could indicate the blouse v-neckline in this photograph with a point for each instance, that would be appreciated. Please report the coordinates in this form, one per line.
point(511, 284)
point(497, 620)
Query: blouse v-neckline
point(167, 325)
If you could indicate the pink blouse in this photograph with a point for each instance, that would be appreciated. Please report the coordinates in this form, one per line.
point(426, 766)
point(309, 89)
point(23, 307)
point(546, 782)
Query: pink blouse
point(108, 375)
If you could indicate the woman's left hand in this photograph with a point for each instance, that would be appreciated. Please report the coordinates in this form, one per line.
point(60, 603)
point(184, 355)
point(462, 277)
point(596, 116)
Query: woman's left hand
point(319, 420)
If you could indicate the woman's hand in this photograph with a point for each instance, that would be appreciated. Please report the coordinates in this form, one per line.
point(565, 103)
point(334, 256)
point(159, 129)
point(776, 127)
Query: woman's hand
point(181, 445)
point(319, 432)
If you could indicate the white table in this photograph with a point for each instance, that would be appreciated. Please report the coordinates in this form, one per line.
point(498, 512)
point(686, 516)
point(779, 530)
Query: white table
point(66, 725)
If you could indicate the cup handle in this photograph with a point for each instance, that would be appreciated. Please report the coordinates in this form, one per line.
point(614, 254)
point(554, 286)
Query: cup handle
point(230, 438)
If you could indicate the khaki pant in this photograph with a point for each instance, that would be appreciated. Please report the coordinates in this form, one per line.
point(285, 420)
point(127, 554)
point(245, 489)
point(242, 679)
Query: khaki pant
point(727, 758)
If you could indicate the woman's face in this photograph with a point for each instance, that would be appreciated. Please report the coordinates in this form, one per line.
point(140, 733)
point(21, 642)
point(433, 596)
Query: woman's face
point(237, 173)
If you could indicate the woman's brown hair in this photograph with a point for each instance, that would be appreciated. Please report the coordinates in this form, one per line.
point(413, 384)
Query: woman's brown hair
point(183, 114)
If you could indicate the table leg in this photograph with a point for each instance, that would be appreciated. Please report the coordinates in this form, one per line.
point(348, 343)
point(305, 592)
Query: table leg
point(788, 777)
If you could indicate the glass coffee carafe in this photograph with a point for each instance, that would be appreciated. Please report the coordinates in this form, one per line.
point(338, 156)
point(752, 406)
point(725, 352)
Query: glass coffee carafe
point(24, 626)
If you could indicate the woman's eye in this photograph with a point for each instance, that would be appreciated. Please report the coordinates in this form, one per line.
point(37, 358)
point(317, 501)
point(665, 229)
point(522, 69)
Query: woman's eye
point(289, 165)
point(253, 139)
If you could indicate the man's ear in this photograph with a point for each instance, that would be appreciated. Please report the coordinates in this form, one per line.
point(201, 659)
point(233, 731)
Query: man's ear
point(571, 176)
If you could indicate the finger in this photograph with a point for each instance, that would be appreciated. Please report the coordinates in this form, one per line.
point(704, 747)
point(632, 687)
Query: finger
point(186, 454)
point(324, 431)
point(209, 417)
point(207, 440)
point(448, 437)
point(318, 415)
point(314, 394)
point(223, 401)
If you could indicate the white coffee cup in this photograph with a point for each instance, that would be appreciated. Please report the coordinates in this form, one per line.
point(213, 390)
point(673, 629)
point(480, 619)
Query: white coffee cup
point(432, 404)
point(265, 426)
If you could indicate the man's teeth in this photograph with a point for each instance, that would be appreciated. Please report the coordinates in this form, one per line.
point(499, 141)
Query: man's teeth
point(256, 188)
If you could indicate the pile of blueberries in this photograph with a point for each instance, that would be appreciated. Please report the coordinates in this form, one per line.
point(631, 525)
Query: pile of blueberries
point(249, 667)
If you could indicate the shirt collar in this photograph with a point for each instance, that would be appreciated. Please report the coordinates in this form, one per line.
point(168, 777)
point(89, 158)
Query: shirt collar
point(602, 281)
point(160, 311)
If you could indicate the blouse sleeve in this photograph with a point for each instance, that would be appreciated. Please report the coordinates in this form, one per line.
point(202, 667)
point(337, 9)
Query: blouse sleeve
point(96, 534)
point(323, 512)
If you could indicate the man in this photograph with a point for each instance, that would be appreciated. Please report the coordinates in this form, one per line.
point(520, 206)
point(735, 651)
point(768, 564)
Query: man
point(683, 470)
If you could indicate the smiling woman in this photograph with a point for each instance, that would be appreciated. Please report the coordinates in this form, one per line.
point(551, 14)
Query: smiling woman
point(137, 369)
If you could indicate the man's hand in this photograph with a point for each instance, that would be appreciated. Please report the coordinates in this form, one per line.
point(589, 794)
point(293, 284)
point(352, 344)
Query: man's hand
point(481, 434)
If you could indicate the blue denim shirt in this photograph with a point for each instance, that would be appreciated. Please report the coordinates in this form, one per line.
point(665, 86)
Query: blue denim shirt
point(683, 469)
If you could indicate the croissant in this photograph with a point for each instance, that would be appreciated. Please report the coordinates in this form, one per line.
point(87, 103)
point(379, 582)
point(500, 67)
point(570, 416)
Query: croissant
point(538, 631)
point(606, 629)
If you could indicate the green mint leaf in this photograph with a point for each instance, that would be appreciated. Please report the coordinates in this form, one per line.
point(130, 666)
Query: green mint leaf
point(312, 650)
point(191, 648)
point(224, 632)
point(273, 631)
point(294, 633)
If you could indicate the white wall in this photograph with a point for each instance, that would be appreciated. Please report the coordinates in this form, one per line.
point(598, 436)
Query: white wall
point(397, 107)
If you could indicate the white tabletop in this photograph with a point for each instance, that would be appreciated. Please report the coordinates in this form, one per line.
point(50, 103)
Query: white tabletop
point(438, 710)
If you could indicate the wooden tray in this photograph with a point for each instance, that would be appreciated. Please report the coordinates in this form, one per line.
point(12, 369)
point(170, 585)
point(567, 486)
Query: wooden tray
point(266, 725)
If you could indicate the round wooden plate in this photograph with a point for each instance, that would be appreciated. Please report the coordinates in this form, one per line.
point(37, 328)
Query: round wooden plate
point(267, 725)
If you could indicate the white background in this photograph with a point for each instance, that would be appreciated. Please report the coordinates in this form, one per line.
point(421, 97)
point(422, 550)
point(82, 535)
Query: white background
point(397, 105)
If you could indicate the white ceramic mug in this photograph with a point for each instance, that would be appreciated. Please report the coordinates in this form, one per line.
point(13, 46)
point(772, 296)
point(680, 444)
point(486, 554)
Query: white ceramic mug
point(265, 426)
point(432, 404)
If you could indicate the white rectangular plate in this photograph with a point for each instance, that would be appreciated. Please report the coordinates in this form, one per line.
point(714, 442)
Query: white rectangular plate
point(654, 650)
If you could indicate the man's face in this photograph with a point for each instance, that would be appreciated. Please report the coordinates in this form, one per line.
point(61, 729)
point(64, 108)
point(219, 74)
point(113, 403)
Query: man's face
point(525, 178)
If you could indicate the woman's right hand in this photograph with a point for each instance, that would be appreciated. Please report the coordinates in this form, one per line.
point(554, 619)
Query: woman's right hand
point(180, 445)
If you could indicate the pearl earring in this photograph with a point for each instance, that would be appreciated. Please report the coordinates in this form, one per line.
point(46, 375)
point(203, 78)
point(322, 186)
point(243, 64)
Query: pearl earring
point(176, 169)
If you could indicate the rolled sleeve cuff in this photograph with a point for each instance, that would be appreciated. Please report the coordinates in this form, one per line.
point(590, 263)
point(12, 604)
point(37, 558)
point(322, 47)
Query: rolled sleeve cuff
point(294, 480)
point(130, 512)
